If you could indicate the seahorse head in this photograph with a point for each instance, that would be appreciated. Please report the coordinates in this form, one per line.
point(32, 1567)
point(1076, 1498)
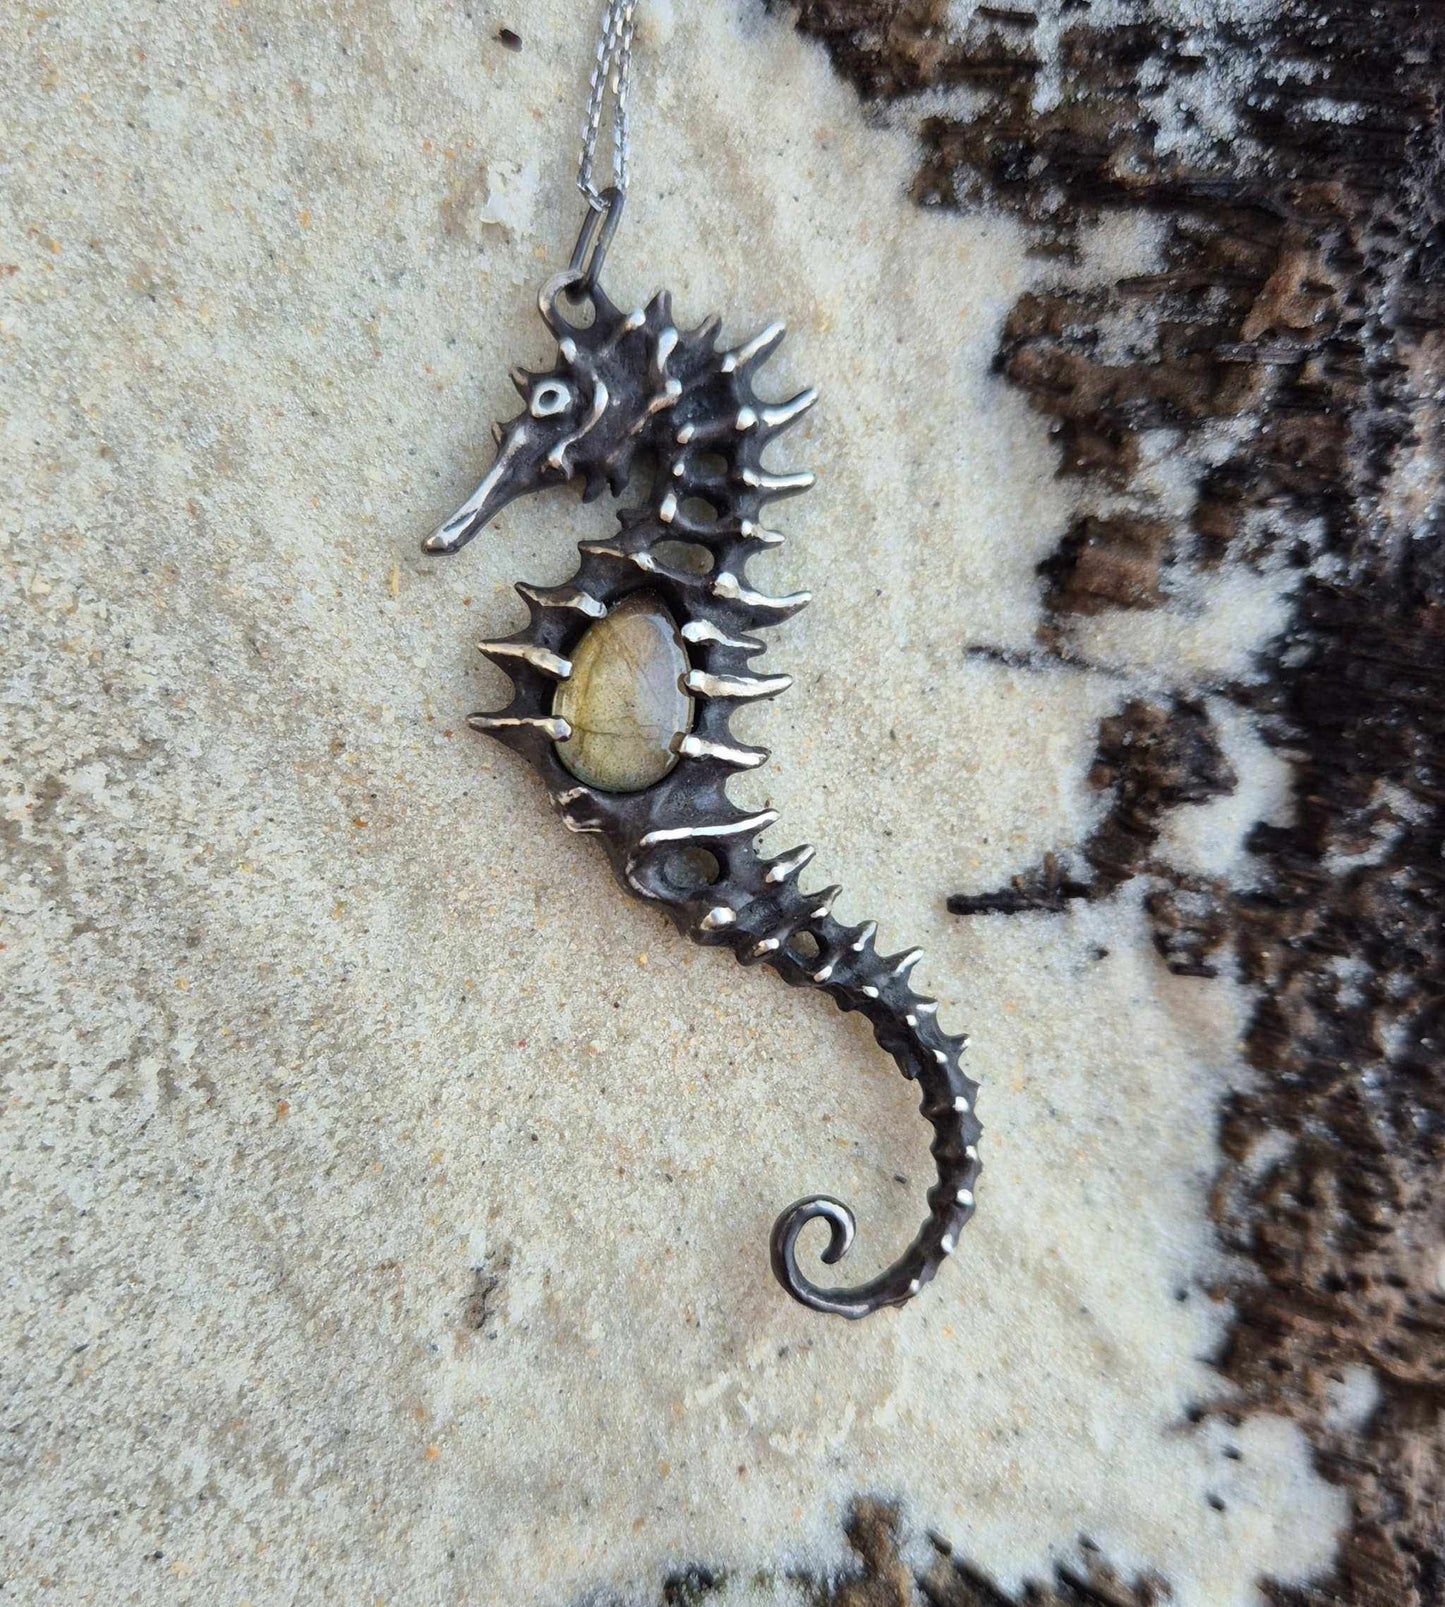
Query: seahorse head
point(617, 380)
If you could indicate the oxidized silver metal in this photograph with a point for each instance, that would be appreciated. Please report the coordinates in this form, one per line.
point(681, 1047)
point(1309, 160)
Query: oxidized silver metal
point(632, 386)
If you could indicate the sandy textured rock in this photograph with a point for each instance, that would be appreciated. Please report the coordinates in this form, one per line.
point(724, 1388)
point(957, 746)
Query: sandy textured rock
point(386, 1200)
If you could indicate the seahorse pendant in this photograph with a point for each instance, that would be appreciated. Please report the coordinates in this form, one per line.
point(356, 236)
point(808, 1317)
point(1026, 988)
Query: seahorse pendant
point(626, 677)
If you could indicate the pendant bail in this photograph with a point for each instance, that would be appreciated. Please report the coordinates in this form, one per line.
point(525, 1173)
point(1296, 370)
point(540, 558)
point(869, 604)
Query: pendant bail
point(593, 240)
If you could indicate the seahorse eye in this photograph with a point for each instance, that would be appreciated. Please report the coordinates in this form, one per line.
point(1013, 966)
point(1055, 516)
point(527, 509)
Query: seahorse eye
point(552, 396)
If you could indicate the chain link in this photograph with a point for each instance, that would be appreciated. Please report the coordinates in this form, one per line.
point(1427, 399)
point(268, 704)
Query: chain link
point(611, 72)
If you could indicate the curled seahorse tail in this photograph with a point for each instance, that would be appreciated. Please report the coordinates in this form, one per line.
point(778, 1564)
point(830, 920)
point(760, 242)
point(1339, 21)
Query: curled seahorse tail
point(894, 1287)
point(947, 1104)
point(768, 918)
point(841, 1227)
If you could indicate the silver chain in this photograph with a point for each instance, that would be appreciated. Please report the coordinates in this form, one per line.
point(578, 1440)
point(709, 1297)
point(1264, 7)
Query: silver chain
point(611, 72)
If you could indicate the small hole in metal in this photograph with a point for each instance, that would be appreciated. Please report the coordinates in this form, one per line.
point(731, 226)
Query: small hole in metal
point(686, 557)
point(579, 311)
point(642, 474)
point(804, 946)
point(689, 869)
point(699, 511)
point(549, 398)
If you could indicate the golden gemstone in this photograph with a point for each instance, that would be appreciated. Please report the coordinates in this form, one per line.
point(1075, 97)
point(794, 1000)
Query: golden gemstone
point(624, 698)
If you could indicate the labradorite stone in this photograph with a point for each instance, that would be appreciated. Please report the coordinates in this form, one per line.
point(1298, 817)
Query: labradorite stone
point(624, 698)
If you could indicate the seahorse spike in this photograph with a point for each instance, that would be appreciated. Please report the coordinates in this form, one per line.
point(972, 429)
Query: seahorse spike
point(790, 864)
point(727, 585)
point(662, 350)
point(780, 416)
point(902, 964)
point(757, 350)
point(704, 336)
point(541, 659)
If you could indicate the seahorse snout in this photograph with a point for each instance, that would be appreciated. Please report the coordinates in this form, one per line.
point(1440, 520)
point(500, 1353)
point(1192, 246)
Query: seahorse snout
point(522, 464)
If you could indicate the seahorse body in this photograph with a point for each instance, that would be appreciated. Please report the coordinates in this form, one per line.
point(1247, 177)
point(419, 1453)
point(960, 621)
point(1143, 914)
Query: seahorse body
point(630, 383)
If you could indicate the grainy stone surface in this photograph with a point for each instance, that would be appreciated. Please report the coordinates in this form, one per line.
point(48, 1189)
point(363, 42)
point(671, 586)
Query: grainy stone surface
point(385, 1199)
